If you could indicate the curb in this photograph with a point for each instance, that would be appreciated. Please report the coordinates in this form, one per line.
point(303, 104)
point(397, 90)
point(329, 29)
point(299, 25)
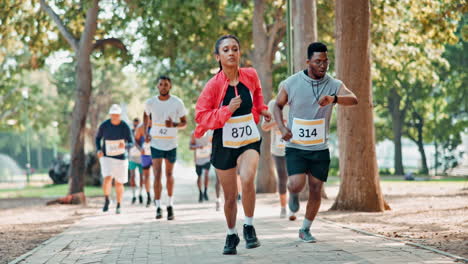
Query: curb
point(457, 258)
point(32, 251)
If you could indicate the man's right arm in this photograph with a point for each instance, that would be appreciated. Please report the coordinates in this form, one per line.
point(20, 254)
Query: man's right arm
point(98, 142)
point(281, 101)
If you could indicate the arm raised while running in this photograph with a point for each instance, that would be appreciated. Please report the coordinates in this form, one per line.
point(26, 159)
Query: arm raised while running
point(208, 114)
point(281, 101)
point(344, 97)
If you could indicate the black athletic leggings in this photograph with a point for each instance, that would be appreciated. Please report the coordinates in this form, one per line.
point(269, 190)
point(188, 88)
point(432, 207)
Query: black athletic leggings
point(280, 164)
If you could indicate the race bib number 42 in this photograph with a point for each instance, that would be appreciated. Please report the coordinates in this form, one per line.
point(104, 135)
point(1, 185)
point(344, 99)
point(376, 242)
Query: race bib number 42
point(240, 131)
point(115, 147)
point(161, 132)
point(308, 132)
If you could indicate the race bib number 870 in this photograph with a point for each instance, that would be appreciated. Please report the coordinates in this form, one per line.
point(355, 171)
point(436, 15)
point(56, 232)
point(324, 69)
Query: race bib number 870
point(240, 131)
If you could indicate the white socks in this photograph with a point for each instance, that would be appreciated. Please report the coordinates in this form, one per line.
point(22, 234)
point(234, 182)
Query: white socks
point(231, 231)
point(306, 224)
point(158, 203)
point(248, 221)
point(171, 201)
point(133, 191)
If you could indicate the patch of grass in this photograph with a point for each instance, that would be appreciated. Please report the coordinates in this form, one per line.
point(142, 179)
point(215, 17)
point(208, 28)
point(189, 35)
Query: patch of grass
point(47, 191)
point(423, 179)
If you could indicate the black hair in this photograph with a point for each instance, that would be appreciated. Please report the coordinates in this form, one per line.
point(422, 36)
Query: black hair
point(136, 120)
point(218, 43)
point(315, 47)
point(164, 77)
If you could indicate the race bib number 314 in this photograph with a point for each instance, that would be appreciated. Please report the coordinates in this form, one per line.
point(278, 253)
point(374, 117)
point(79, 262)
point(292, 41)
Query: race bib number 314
point(308, 132)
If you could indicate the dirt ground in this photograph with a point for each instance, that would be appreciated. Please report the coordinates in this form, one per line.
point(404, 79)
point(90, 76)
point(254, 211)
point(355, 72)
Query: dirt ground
point(434, 214)
point(27, 222)
point(430, 213)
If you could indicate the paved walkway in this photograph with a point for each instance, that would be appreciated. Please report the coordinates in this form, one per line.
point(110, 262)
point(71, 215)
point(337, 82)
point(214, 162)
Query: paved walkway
point(197, 236)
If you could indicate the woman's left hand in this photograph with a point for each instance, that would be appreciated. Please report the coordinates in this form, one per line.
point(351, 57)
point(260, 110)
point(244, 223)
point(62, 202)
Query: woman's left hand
point(266, 115)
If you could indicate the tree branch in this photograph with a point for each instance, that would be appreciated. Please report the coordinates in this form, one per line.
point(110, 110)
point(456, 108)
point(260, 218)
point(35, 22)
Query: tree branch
point(62, 28)
point(100, 44)
point(87, 37)
point(273, 33)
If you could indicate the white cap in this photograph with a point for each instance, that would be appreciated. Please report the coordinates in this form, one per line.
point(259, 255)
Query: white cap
point(115, 110)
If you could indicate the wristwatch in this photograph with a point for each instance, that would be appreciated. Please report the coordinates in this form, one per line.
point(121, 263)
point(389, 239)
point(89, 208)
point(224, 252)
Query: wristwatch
point(335, 100)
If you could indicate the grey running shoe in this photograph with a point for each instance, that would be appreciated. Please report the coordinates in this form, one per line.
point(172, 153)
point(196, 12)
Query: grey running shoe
point(305, 236)
point(294, 202)
point(283, 213)
point(117, 210)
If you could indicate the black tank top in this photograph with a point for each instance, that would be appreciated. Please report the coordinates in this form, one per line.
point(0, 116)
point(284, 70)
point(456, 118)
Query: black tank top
point(244, 109)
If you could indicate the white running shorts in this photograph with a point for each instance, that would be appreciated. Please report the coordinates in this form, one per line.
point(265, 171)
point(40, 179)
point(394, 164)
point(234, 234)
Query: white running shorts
point(116, 168)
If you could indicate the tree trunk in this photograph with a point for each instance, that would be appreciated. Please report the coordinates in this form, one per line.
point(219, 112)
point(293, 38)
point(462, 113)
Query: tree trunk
point(78, 131)
point(420, 143)
point(82, 99)
point(304, 15)
point(360, 183)
point(397, 129)
point(263, 62)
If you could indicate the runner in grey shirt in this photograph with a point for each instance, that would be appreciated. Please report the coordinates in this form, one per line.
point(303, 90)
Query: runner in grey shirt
point(311, 95)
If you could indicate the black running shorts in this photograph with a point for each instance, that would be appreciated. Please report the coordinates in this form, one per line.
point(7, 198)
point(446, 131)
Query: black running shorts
point(300, 161)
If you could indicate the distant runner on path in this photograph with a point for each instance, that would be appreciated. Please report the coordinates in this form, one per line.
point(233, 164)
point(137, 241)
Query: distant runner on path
point(202, 153)
point(311, 95)
point(117, 138)
point(277, 147)
point(166, 113)
point(144, 146)
point(134, 163)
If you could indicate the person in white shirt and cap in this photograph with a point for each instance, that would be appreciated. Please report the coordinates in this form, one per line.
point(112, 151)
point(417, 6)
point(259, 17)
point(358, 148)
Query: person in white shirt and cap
point(117, 138)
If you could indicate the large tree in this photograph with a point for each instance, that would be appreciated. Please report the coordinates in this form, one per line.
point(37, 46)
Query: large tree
point(82, 48)
point(360, 185)
point(268, 32)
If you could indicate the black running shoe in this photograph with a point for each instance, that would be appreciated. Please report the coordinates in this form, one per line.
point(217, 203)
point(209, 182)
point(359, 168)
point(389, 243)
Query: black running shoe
point(250, 237)
point(200, 197)
point(159, 213)
point(133, 200)
point(140, 198)
point(205, 196)
point(294, 202)
point(170, 213)
point(231, 243)
point(148, 202)
point(106, 206)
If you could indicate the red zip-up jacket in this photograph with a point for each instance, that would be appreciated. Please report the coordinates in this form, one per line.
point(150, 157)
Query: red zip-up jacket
point(209, 114)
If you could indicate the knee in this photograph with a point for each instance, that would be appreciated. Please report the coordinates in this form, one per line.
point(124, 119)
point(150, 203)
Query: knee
point(247, 183)
point(169, 176)
point(230, 202)
point(295, 186)
point(315, 191)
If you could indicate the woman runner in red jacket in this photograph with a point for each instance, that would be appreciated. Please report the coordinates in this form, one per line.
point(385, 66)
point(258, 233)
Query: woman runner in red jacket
point(231, 104)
